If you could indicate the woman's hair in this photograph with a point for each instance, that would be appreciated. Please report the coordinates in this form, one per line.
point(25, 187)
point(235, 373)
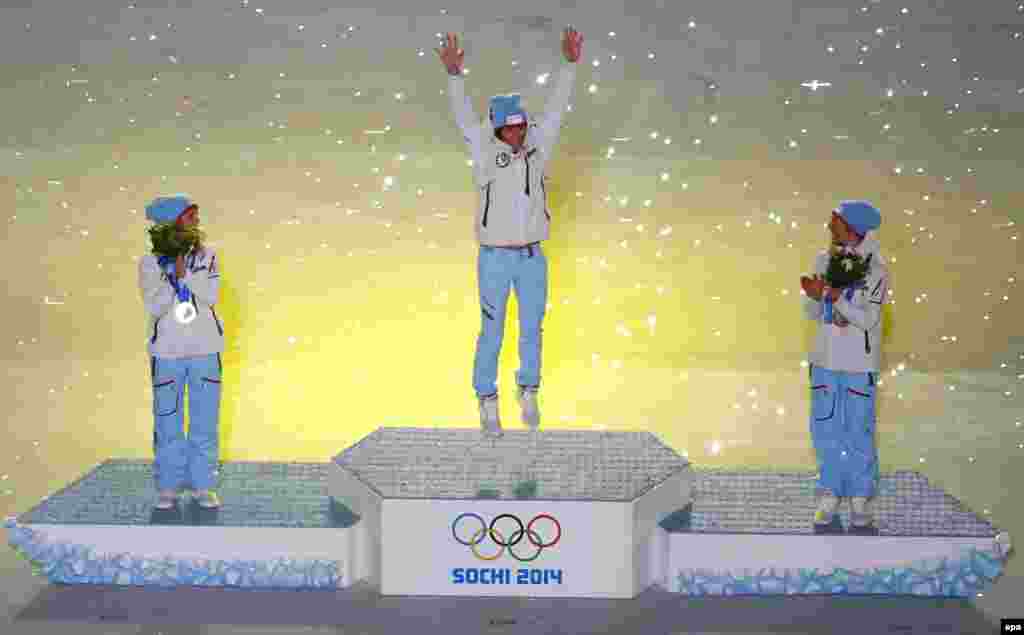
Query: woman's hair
point(200, 235)
point(198, 247)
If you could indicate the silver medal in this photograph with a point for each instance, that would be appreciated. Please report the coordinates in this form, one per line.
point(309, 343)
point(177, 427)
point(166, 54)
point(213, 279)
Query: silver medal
point(184, 312)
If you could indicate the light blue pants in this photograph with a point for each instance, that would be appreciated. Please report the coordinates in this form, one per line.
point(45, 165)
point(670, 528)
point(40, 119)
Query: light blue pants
point(843, 431)
point(498, 270)
point(181, 460)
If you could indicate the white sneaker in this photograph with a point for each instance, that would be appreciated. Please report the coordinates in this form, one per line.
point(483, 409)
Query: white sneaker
point(826, 509)
point(168, 498)
point(860, 515)
point(528, 402)
point(490, 423)
point(208, 499)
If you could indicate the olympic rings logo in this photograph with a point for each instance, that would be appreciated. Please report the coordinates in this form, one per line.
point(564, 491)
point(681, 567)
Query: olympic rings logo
point(514, 539)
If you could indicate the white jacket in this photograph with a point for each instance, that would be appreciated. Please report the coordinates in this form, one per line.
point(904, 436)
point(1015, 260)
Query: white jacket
point(513, 199)
point(167, 338)
point(855, 348)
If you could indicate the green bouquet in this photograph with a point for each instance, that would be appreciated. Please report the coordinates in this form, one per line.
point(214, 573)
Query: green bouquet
point(845, 268)
point(171, 240)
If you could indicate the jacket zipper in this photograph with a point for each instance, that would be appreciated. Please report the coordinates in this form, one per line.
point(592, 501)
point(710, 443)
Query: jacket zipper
point(487, 205)
point(527, 160)
point(487, 190)
point(216, 321)
point(544, 191)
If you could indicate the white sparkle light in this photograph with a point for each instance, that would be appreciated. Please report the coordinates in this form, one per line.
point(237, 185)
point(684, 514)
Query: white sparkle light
point(815, 85)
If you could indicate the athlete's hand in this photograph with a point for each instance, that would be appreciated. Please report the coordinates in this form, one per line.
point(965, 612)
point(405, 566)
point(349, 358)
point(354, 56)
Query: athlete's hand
point(451, 55)
point(572, 44)
point(813, 287)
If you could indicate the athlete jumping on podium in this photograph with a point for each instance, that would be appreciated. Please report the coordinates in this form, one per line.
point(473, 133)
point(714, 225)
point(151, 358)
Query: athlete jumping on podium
point(510, 156)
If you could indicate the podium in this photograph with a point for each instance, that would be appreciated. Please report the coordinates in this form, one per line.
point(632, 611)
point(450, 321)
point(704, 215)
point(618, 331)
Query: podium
point(556, 513)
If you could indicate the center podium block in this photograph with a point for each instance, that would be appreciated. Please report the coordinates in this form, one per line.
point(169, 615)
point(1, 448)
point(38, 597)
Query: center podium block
point(551, 513)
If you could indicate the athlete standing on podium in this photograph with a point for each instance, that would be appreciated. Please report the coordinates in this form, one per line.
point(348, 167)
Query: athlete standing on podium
point(180, 291)
point(844, 368)
point(510, 155)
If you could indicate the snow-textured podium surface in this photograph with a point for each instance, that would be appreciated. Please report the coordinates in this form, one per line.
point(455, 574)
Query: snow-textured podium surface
point(745, 532)
point(751, 533)
point(906, 504)
point(456, 463)
point(277, 529)
point(254, 494)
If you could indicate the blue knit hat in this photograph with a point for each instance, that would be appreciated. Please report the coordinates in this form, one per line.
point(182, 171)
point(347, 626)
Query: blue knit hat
point(506, 111)
point(861, 216)
point(167, 209)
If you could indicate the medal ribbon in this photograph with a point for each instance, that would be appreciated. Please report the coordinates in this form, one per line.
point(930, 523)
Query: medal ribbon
point(183, 293)
point(848, 292)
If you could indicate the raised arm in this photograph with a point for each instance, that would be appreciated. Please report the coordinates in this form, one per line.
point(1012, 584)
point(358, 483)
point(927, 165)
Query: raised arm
point(551, 121)
point(451, 58)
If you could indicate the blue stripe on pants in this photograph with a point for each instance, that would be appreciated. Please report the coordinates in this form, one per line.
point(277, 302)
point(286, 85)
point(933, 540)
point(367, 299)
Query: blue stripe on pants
point(843, 431)
point(181, 460)
point(499, 270)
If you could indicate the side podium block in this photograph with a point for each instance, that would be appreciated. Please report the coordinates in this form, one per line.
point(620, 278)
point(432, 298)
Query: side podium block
point(276, 530)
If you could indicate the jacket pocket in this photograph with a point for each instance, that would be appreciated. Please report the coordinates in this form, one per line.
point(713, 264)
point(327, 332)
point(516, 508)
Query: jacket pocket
point(165, 398)
point(860, 407)
point(823, 403)
point(211, 384)
point(210, 378)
